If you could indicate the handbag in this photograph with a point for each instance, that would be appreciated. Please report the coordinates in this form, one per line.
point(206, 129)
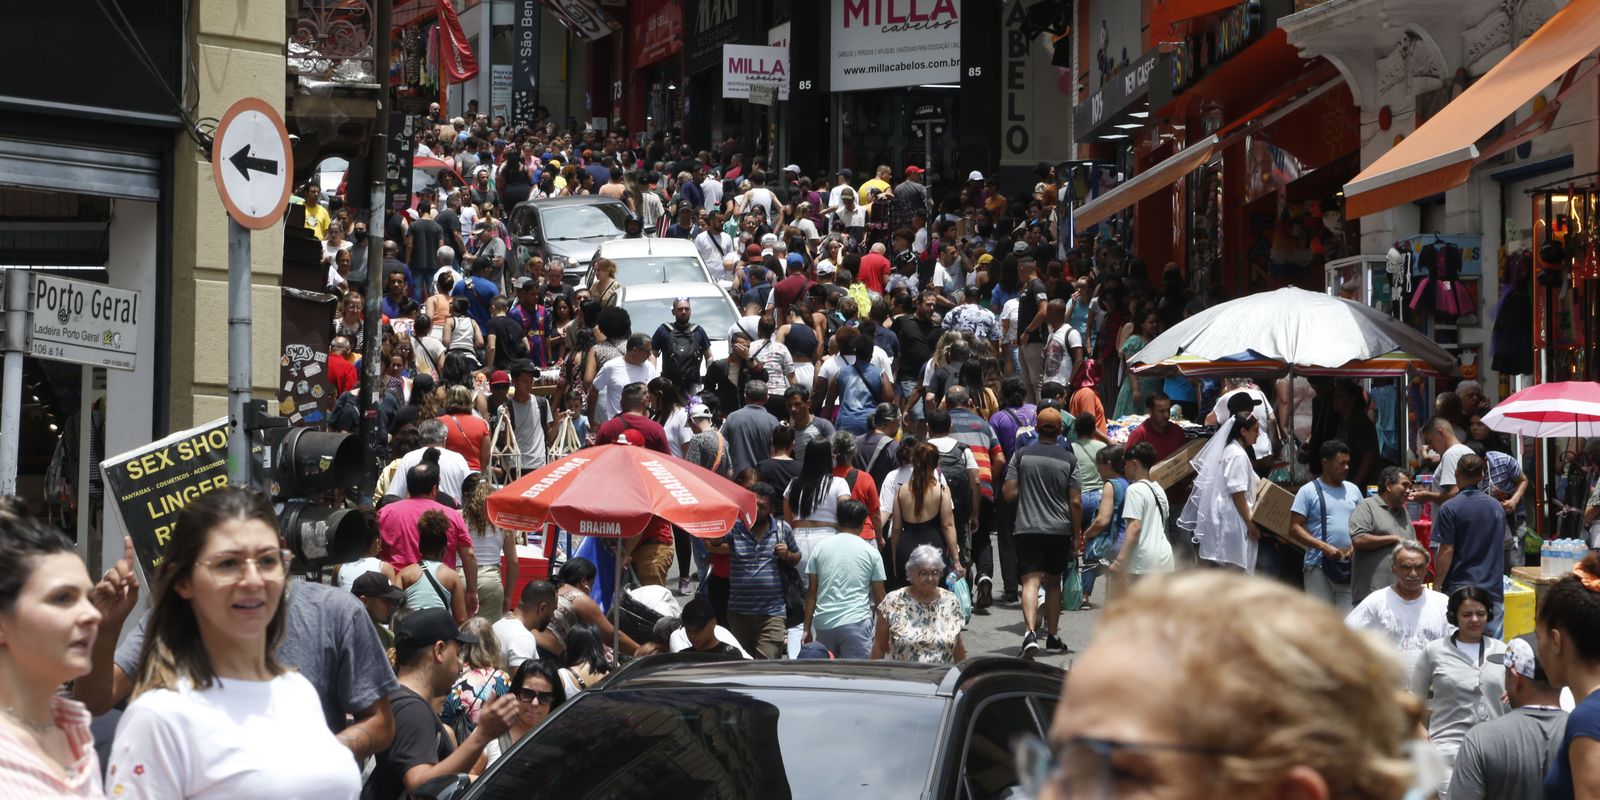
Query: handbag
point(963, 593)
point(1338, 570)
point(462, 723)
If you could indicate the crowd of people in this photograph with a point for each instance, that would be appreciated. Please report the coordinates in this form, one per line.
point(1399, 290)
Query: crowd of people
point(920, 393)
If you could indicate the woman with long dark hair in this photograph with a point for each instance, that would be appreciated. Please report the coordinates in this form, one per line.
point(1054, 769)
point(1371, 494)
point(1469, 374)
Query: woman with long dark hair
point(1220, 511)
point(574, 607)
point(924, 514)
point(539, 691)
point(48, 625)
point(811, 501)
point(587, 658)
point(214, 714)
point(667, 409)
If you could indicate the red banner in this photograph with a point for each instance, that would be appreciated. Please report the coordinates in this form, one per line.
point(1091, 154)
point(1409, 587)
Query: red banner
point(657, 31)
point(455, 54)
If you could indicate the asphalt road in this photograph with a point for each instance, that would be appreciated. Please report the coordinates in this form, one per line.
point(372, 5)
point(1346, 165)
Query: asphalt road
point(999, 632)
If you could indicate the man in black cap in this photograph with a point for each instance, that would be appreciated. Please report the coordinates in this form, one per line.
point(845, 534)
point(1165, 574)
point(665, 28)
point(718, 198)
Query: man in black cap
point(427, 654)
point(381, 598)
point(700, 625)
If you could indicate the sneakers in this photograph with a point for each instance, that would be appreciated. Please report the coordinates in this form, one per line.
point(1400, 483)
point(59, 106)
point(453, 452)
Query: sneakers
point(1010, 598)
point(1030, 645)
point(683, 586)
point(985, 596)
point(1055, 645)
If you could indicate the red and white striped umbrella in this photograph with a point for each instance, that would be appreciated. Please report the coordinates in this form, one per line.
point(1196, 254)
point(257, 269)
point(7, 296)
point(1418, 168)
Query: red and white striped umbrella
point(1548, 410)
point(615, 490)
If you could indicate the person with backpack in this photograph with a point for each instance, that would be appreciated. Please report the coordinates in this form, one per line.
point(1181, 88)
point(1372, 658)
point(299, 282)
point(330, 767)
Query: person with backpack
point(960, 469)
point(682, 347)
point(1043, 483)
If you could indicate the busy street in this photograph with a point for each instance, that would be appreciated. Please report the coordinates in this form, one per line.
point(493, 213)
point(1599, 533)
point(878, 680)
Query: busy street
point(801, 399)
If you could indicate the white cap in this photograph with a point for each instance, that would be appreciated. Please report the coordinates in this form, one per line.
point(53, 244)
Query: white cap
point(769, 239)
point(792, 168)
point(825, 268)
point(974, 176)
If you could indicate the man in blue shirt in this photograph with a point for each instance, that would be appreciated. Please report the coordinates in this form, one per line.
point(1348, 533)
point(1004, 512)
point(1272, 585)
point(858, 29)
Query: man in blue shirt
point(1320, 522)
point(1470, 531)
point(756, 604)
point(480, 289)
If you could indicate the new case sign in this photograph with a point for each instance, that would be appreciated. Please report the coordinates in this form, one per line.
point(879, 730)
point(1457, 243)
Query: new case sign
point(884, 44)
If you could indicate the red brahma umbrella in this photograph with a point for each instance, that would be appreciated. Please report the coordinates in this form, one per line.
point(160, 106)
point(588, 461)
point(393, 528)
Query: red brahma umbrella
point(1545, 410)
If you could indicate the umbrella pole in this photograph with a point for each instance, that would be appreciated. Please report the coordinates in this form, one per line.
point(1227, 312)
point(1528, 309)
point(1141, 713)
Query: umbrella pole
point(616, 606)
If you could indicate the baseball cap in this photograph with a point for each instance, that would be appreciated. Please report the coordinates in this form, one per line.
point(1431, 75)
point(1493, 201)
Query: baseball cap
point(984, 259)
point(914, 170)
point(523, 365)
point(1241, 401)
point(753, 251)
point(699, 411)
point(481, 225)
point(1522, 657)
point(1048, 418)
point(974, 176)
point(769, 239)
point(499, 378)
point(823, 268)
point(796, 260)
point(1019, 247)
point(428, 626)
point(527, 283)
point(792, 168)
point(373, 584)
point(845, 173)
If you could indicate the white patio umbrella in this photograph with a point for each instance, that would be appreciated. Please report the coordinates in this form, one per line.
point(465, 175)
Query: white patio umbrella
point(1291, 329)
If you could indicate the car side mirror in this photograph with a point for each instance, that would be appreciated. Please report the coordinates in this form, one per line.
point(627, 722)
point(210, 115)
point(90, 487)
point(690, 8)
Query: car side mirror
point(444, 787)
point(528, 239)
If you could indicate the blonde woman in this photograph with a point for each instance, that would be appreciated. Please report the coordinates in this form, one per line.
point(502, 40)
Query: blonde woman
point(214, 715)
point(489, 543)
point(1210, 684)
point(465, 432)
point(603, 286)
point(483, 675)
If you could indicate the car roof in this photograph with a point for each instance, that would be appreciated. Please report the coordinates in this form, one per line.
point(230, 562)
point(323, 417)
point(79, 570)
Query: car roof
point(641, 248)
point(573, 200)
point(688, 670)
point(656, 291)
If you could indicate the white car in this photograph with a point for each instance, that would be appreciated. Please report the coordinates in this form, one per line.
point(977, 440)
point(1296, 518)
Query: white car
point(649, 306)
point(652, 260)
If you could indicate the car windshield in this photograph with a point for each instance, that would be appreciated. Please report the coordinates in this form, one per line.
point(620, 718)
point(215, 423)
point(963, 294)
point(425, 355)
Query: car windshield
point(712, 313)
point(659, 269)
point(725, 744)
point(583, 221)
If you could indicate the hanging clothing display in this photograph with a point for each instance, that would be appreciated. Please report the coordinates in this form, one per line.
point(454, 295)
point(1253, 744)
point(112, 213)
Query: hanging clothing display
point(1442, 292)
point(1512, 340)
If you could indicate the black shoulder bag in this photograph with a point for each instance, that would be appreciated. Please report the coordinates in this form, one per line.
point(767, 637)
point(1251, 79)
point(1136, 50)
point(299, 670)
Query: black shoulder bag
point(1338, 570)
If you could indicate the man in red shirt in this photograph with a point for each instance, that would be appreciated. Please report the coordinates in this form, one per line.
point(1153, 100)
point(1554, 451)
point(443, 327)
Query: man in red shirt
point(791, 289)
point(1158, 429)
point(863, 487)
point(875, 268)
point(341, 369)
point(397, 526)
point(633, 419)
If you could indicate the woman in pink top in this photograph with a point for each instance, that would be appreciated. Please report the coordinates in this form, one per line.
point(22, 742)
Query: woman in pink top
point(48, 624)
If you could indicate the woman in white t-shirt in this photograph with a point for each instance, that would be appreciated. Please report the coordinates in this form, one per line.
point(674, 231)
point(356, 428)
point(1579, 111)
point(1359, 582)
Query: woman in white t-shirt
point(1221, 507)
point(214, 715)
point(1145, 549)
point(811, 501)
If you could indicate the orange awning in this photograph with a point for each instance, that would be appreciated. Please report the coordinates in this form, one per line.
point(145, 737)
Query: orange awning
point(1145, 183)
point(1440, 154)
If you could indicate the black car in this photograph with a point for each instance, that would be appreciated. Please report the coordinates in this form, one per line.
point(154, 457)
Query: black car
point(681, 726)
point(566, 230)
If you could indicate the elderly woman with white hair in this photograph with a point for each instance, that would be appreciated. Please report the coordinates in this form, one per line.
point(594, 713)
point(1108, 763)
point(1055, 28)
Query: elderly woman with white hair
point(921, 622)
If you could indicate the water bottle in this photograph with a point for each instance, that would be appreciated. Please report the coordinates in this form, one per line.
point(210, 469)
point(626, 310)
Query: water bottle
point(1564, 560)
point(1547, 558)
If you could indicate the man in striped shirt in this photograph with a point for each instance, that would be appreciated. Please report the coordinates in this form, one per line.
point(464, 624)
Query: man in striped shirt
point(756, 607)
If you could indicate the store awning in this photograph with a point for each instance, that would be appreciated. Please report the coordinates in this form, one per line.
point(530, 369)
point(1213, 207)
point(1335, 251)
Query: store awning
point(1440, 154)
point(1144, 184)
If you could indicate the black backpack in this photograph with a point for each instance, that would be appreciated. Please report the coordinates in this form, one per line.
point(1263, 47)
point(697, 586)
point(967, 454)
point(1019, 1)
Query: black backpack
point(680, 361)
point(953, 464)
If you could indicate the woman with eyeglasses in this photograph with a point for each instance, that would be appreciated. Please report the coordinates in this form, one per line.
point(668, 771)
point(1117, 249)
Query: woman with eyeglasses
point(538, 689)
point(1209, 685)
point(921, 622)
point(214, 715)
point(1455, 677)
point(349, 322)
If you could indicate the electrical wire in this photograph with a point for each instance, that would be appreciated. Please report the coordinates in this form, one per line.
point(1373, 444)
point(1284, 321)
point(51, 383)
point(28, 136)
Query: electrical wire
point(185, 109)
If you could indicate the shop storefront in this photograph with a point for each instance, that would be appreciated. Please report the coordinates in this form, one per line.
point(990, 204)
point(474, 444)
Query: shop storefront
point(654, 99)
point(710, 119)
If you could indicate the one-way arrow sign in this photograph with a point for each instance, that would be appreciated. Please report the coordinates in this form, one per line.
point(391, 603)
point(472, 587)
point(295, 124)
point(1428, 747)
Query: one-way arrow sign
point(244, 162)
point(252, 163)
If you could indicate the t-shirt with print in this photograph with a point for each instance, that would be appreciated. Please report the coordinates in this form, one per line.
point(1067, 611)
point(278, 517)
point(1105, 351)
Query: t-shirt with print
point(1342, 501)
point(774, 357)
point(1409, 624)
point(845, 567)
point(1045, 476)
point(1147, 503)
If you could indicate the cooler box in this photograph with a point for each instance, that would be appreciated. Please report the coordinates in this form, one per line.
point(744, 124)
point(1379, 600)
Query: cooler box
point(1519, 609)
point(531, 566)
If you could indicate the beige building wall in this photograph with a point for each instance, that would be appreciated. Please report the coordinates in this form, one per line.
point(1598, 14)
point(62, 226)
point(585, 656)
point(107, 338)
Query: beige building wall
point(239, 52)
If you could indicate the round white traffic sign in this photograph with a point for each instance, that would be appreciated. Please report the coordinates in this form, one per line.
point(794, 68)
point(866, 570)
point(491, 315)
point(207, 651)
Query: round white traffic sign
point(252, 163)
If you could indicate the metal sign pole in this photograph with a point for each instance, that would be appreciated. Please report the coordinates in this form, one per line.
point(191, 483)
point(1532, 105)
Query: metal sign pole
point(238, 352)
point(14, 341)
